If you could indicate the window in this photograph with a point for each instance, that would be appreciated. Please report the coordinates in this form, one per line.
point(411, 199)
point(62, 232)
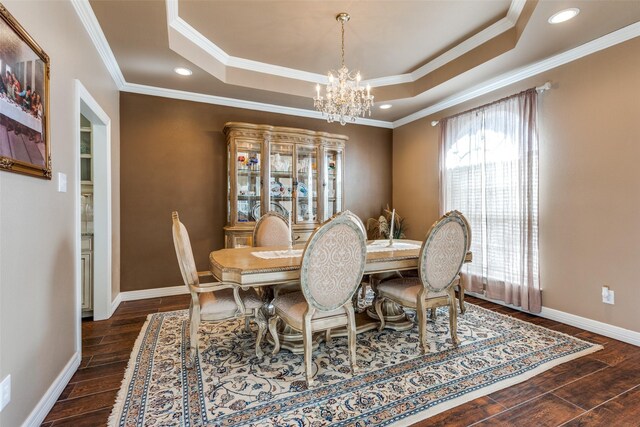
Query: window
point(489, 171)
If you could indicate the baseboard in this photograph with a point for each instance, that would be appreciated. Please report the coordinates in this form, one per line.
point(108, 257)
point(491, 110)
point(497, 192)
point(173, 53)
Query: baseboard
point(40, 412)
point(590, 325)
point(153, 293)
point(601, 328)
point(115, 303)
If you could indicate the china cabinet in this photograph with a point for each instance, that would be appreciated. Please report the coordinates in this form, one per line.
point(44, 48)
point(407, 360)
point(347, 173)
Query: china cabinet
point(86, 215)
point(86, 275)
point(86, 175)
point(284, 170)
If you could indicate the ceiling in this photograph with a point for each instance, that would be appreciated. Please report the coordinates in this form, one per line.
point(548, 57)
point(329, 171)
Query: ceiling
point(415, 54)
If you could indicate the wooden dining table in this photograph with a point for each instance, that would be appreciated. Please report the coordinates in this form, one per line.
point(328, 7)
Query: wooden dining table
point(242, 267)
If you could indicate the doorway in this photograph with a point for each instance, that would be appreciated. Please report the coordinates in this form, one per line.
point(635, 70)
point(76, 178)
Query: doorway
point(92, 121)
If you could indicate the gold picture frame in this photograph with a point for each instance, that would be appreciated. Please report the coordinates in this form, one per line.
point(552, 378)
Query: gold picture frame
point(25, 145)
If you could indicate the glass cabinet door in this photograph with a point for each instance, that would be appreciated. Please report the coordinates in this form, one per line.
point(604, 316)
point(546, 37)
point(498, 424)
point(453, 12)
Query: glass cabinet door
point(281, 179)
point(307, 184)
point(333, 180)
point(248, 180)
point(86, 174)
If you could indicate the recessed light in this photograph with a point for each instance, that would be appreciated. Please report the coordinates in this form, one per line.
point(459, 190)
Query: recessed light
point(385, 106)
point(564, 15)
point(183, 71)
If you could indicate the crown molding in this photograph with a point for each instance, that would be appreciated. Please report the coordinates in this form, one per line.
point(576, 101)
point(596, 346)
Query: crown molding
point(515, 9)
point(390, 80)
point(182, 27)
point(239, 103)
point(174, 22)
point(469, 44)
point(90, 22)
point(506, 79)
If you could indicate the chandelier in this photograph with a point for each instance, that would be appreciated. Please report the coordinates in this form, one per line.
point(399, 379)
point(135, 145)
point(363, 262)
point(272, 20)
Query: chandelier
point(345, 99)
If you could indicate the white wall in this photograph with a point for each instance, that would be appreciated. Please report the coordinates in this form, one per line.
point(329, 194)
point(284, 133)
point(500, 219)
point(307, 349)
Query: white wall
point(37, 223)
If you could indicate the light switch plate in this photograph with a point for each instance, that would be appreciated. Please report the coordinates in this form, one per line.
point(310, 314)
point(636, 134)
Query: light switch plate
point(5, 392)
point(62, 182)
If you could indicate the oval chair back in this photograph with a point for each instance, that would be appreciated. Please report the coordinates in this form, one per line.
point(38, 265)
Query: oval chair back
point(183, 251)
point(355, 218)
point(333, 263)
point(272, 229)
point(443, 252)
point(467, 225)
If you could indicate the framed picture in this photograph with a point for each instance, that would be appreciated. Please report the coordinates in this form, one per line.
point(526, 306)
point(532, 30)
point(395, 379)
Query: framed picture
point(24, 101)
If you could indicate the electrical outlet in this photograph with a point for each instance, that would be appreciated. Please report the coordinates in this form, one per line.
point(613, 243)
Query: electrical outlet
point(610, 298)
point(5, 392)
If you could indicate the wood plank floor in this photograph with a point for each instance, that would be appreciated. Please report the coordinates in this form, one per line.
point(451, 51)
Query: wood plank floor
point(601, 389)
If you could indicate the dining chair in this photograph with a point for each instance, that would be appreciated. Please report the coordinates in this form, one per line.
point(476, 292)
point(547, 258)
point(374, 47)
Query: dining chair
point(272, 229)
point(459, 285)
point(215, 301)
point(441, 257)
point(331, 269)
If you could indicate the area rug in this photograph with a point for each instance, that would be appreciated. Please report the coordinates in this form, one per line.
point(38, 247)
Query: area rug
point(396, 385)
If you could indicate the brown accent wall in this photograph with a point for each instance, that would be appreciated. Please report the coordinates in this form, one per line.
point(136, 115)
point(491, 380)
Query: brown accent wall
point(589, 182)
point(173, 157)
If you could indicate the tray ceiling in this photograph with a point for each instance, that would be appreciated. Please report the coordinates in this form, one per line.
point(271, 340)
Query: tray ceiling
point(415, 53)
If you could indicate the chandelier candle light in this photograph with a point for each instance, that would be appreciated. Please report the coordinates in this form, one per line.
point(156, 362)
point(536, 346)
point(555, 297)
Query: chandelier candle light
point(345, 98)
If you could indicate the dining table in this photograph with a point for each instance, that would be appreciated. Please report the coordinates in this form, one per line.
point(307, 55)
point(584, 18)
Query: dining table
point(265, 267)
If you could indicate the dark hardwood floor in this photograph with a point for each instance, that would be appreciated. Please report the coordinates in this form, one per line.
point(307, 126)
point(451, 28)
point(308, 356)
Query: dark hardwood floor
point(601, 389)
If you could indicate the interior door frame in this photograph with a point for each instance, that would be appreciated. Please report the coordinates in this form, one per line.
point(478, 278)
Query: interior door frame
point(86, 105)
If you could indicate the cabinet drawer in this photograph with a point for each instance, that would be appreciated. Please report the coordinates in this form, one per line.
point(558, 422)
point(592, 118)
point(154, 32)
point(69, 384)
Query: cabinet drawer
point(86, 244)
point(302, 236)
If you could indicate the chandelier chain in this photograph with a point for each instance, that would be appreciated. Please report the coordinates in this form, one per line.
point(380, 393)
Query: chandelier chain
point(342, 22)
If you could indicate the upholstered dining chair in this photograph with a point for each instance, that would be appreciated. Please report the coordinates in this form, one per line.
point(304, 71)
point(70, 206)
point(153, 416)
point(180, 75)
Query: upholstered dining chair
point(331, 269)
point(212, 302)
point(272, 229)
point(441, 257)
point(459, 285)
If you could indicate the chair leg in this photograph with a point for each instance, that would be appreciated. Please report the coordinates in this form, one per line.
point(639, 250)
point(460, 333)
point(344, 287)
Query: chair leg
point(262, 329)
point(434, 314)
point(378, 307)
point(422, 325)
point(351, 331)
point(246, 324)
point(273, 330)
point(453, 319)
point(463, 308)
point(327, 336)
point(192, 351)
point(307, 338)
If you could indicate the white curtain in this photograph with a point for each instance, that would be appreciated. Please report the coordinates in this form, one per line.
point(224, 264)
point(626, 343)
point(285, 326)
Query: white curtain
point(489, 172)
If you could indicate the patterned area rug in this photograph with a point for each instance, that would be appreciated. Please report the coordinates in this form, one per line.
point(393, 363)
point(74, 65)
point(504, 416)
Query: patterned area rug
point(396, 385)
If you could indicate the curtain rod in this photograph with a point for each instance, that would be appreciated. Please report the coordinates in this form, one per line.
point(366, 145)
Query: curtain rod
point(539, 89)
